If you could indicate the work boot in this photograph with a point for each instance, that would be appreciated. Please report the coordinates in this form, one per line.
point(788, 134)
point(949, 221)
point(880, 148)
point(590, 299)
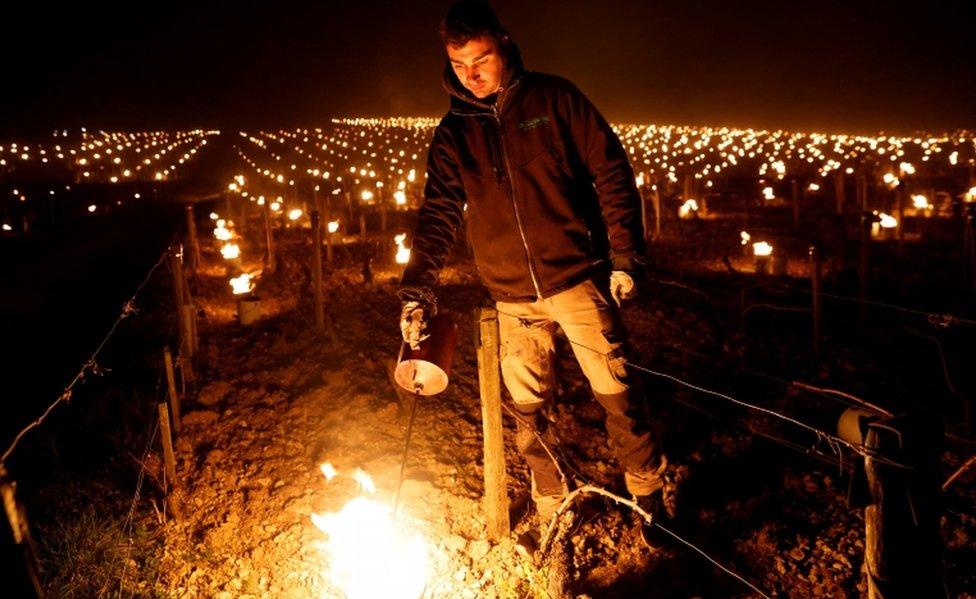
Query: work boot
point(653, 537)
point(527, 543)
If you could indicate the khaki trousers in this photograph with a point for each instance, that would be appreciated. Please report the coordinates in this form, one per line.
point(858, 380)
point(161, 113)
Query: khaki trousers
point(590, 319)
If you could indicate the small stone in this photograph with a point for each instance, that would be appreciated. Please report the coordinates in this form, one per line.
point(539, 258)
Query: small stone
point(200, 417)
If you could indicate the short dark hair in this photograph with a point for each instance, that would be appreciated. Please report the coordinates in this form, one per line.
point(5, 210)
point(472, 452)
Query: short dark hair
point(470, 19)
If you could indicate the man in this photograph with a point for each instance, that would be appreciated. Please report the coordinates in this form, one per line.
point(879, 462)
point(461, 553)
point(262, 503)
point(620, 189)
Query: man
point(554, 221)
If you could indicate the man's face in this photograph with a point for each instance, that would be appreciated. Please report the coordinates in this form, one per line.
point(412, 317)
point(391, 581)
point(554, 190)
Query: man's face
point(478, 65)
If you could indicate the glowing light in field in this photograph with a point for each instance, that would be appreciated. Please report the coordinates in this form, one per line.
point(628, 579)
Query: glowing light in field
point(333, 226)
point(230, 251)
point(400, 198)
point(920, 202)
point(294, 214)
point(762, 248)
point(745, 237)
point(887, 221)
point(221, 232)
point(242, 284)
point(403, 253)
point(768, 193)
point(688, 209)
point(92, 207)
point(369, 554)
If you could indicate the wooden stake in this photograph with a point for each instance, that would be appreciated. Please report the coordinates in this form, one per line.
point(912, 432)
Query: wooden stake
point(176, 267)
point(840, 193)
point(657, 212)
point(188, 344)
point(169, 458)
point(269, 237)
point(169, 462)
point(862, 292)
point(25, 581)
point(174, 398)
point(192, 242)
point(816, 273)
point(900, 201)
point(901, 525)
point(495, 500)
point(317, 271)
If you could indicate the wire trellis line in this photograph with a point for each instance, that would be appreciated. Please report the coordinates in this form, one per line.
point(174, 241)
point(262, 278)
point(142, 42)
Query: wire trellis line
point(91, 365)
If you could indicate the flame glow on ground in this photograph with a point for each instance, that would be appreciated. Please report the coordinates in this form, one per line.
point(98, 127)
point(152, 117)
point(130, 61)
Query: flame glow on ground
point(369, 555)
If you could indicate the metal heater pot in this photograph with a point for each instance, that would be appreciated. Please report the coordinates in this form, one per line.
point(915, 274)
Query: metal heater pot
point(425, 370)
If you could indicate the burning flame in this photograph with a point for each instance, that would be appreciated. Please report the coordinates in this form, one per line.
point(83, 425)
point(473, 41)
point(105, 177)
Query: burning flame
point(333, 226)
point(294, 214)
point(745, 237)
point(687, 209)
point(221, 232)
point(887, 221)
point(921, 202)
point(971, 195)
point(370, 557)
point(403, 253)
point(230, 251)
point(242, 284)
point(761, 248)
point(400, 197)
point(768, 193)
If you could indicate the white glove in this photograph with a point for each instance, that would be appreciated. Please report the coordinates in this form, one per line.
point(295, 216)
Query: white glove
point(413, 322)
point(622, 286)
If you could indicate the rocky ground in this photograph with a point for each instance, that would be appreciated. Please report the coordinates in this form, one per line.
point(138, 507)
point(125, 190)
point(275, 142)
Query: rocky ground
point(276, 400)
point(273, 401)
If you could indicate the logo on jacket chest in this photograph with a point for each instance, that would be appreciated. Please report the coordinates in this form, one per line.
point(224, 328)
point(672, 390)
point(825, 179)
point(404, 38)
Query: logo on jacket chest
point(533, 123)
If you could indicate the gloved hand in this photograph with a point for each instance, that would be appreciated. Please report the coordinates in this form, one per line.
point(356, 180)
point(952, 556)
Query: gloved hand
point(622, 286)
point(413, 321)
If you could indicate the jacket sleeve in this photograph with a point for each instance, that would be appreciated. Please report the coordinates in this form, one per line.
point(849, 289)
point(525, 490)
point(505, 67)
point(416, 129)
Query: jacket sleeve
point(438, 220)
point(606, 160)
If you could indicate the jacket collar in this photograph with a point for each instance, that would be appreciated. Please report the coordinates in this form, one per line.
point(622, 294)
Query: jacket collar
point(464, 102)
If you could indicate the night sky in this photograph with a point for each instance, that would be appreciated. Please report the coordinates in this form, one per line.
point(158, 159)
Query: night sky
point(829, 66)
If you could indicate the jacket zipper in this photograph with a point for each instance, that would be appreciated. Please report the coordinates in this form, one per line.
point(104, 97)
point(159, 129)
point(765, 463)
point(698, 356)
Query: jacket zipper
point(518, 216)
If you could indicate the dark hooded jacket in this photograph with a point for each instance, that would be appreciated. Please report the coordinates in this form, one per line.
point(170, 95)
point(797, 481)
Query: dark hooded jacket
point(550, 195)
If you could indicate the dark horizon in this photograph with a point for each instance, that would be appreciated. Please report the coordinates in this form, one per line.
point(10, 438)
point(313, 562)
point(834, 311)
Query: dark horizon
point(824, 66)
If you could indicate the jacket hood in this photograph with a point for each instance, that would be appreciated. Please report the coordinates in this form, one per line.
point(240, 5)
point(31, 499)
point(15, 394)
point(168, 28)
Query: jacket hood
point(459, 94)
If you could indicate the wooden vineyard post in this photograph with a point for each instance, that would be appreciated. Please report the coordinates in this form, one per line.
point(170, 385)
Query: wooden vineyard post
point(192, 241)
point(23, 580)
point(185, 329)
point(816, 277)
point(328, 237)
point(644, 191)
point(657, 211)
point(900, 201)
point(169, 460)
point(269, 238)
point(174, 398)
point(381, 200)
point(176, 267)
point(317, 270)
point(839, 192)
point(862, 269)
point(489, 382)
point(901, 525)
